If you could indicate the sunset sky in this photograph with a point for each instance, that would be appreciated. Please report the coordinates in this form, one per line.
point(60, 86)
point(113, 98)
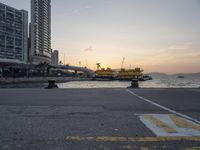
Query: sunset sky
point(157, 35)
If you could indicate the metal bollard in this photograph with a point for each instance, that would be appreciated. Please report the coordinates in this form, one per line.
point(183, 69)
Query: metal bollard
point(134, 83)
point(52, 84)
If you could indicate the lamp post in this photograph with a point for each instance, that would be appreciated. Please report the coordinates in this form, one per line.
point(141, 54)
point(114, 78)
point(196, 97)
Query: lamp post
point(64, 57)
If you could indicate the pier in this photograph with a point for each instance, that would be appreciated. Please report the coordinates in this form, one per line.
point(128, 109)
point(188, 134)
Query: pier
point(100, 119)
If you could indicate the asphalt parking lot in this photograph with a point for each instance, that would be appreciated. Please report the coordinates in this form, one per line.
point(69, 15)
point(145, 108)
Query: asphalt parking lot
point(99, 119)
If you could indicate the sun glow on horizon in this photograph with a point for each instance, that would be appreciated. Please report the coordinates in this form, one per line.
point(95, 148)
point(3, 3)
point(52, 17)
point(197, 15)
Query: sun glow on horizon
point(158, 36)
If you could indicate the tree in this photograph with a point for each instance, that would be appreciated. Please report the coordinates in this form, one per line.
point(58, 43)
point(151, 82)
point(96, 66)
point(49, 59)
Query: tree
point(98, 66)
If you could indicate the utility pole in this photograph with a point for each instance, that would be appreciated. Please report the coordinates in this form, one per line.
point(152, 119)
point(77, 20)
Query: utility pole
point(86, 63)
point(123, 63)
point(79, 63)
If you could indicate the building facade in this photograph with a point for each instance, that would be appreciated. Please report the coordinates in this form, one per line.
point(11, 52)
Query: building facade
point(13, 35)
point(54, 57)
point(40, 48)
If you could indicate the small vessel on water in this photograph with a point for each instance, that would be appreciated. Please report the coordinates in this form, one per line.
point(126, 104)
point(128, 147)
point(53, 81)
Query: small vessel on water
point(181, 77)
point(145, 78)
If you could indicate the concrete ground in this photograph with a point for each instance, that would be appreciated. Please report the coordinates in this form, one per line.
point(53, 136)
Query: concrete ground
point(96, 119)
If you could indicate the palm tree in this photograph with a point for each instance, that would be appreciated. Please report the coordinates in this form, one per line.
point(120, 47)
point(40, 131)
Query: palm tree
point(61, 63)
point(98, 66)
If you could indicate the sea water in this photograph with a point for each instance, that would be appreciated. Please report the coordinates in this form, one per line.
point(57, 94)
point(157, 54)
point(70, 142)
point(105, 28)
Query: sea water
point(157, 82)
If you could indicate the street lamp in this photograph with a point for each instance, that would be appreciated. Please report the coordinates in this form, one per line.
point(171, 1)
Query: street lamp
point(64, 57)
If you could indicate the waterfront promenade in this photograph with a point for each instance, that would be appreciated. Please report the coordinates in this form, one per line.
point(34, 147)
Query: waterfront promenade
point(102, 119)
point(40, 80)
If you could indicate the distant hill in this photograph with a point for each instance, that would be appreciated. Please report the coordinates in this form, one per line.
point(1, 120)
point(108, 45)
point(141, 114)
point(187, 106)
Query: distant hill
point(158, 74)
point(188, 74)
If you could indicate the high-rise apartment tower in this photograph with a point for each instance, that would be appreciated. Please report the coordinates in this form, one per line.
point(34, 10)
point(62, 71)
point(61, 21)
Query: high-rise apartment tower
point(40, 48)
point(54, 57)
point(13, 35)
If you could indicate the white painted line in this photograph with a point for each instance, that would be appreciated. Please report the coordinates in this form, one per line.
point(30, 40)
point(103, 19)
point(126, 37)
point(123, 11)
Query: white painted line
point(165, 108)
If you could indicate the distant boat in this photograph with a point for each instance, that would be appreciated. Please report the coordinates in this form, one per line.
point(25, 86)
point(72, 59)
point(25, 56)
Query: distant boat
point(145, 78)
point(181, 77)
point(128, 75)
point(104, 74)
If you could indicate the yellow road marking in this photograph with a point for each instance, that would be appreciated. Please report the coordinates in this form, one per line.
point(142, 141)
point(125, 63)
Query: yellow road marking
point(184, 123)
point(193, 148)
point(111, 139)
point(144, 148)
point(160, 124)
point(132, 139)
point(127, 147)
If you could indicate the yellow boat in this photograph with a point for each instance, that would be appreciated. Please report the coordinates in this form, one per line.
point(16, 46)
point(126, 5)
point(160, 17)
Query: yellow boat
point(103, 73)
point(123, 74)
point(129, 74)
